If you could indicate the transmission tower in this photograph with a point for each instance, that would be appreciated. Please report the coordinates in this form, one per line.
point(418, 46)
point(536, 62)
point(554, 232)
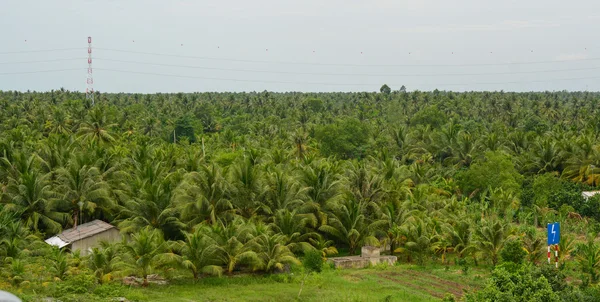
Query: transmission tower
point(89, 91)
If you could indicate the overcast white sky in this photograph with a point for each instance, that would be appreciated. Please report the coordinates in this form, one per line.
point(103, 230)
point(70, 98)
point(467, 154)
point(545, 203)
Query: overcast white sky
point(329, 37)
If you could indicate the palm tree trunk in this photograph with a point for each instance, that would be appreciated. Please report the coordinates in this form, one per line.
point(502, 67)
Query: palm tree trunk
point(75, 218)
point(230, 267)
point(352, 249)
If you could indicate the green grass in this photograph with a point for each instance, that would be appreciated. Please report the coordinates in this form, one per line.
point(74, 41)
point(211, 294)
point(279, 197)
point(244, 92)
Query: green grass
point(396, 283)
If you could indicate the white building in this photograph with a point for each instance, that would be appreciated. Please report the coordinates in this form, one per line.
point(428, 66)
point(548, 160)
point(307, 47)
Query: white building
point(85, 236)
point(587, 194)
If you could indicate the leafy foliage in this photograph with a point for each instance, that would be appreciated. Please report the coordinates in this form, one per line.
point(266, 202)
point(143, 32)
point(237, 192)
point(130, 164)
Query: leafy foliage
point(519, 285)
point(206, 183)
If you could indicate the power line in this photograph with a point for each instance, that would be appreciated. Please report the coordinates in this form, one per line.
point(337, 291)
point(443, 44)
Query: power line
point(309, 63)
point(41, 61)
point(229, 79)
point(351, 65)
point(40, 71)
point(39, 50)
point(312, 73)
point(338, 84)
point(289, 82)
point(350, 74)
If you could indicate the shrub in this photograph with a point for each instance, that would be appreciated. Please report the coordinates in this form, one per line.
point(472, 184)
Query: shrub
point(518, 285)
point(76, 284)
point(449, 298)
point(346, 139)
point(462, 262)
point(556, 278)
point(513, 252)
point(313, 261)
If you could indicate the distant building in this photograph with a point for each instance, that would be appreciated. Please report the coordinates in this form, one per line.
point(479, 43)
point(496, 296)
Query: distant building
point(85, 236)
point(587, 194)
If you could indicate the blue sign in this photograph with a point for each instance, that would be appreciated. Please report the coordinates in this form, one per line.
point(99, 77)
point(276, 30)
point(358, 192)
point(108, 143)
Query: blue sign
point(553, 233)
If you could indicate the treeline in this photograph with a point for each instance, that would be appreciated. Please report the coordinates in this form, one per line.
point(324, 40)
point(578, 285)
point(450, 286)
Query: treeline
point(258, 179)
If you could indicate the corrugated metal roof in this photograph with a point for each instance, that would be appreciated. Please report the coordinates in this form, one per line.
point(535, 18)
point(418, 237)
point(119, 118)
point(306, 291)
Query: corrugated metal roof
point(80, 232)
point(56, 242)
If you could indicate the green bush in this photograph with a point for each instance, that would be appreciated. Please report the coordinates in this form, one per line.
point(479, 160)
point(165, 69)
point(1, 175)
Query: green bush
point(556, 278)
point(75, 284)
point(496, 170)
point(313, 261)
point(109, 290)
point(431, 116)
point(518, 285)
point(345, 139)
point(282, 278)
point(464, 265)
point(513, 252)
point(449, 298)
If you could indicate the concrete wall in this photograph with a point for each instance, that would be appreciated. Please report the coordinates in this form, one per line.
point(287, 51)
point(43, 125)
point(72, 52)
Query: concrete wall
point(361, 262)
point(369, 251)
point(84, 245)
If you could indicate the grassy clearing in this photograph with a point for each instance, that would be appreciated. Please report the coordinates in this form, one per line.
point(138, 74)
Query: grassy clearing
point(397, 283)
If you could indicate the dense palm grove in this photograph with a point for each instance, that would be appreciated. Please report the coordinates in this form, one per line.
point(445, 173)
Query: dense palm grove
point(216, 183)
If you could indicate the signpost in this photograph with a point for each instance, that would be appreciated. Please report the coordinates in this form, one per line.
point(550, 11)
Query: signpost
point(553, 240)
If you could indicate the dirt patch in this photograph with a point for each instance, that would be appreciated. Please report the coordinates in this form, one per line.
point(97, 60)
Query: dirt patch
point(406, 283)
point(353, 278)
point(436, 278)
point(433, 284)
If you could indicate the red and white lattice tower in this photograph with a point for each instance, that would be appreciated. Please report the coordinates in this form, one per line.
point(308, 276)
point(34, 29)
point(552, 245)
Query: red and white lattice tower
point(89, 91)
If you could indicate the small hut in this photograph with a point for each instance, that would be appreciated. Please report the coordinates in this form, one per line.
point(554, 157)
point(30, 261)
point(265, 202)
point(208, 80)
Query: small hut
point(85, 236)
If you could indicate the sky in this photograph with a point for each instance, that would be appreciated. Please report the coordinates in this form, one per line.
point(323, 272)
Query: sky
point(309, 45)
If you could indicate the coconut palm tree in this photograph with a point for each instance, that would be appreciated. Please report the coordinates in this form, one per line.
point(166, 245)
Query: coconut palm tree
point(59, 265)
point(459, 232)
point(347, 223)
point(15, 239)
point(198, 253)
point(146, 250)
point(588, 258)
point(105, 261)
point(300, 139)
point(149, 202)
point(30, 195)
point(490, 236)
point(546, 156)
point(421, 239)
point(234, 244)
point(247, 188)
point(365, 184)
point(282, 192)
point(97, 129)
point(324, 246)
point(322, 188)
point(83, 190)
point(153, 208)
point(203, 195)
point(534, 245)
point(273, 253)
point(393, 216)
point(296, 227)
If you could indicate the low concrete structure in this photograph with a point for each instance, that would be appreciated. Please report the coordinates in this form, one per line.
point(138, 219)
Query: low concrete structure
point(85, 236)
point(369, 255)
